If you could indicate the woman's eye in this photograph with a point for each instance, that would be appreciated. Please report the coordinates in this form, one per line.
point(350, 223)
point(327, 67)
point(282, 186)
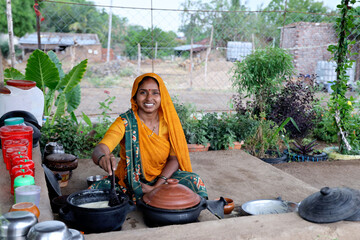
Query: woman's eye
point(156, 93)
point(142, 92)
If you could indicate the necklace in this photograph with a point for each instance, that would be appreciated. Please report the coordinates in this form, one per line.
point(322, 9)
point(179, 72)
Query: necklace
point(153, 130)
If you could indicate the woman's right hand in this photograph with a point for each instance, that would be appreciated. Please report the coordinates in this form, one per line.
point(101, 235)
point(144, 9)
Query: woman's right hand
point(102, 157)
point(108, 163)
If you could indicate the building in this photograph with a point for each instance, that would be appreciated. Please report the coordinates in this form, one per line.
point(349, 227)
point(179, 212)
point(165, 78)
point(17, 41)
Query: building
point(70, 46)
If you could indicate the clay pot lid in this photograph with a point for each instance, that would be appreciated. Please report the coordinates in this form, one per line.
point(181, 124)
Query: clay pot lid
point(330, 205)
point(172, 196)
point(60, 157)
point(23, 84)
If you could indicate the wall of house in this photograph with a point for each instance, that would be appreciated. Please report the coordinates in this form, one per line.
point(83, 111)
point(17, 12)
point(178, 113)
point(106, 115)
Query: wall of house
point(308, 42)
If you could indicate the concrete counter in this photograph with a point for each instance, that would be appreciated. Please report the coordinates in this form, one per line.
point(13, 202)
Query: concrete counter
point(7, 199)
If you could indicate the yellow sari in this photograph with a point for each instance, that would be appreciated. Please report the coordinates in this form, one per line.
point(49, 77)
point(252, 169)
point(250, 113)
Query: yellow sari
point(154, 149)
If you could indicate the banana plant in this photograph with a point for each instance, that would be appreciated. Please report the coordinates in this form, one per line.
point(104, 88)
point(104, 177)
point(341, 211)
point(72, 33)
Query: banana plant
point(60, 90)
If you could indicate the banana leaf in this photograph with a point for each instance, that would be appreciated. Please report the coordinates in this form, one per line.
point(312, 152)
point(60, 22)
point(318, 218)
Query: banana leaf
point(73, 99)
point(74, 77)
point(42, 70)
point(60, 109)
point(58, 64)
point(12, 73)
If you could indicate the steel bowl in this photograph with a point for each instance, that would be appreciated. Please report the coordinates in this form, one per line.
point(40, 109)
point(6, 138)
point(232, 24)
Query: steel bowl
point(268, 206)
point(49, 230)
point(93, 179)
point(16, 224)
point(76, 235)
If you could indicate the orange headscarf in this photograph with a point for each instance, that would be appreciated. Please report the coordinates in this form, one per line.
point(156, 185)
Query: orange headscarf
point(176, 133)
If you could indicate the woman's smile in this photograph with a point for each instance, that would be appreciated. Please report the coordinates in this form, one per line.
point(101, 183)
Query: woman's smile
point(148, 96)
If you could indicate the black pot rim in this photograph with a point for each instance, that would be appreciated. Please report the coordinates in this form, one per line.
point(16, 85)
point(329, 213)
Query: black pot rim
point(199, 205)
point(94, 191)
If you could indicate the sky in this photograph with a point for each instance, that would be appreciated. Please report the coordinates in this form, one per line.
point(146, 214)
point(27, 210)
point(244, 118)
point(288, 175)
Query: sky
point(170, 20)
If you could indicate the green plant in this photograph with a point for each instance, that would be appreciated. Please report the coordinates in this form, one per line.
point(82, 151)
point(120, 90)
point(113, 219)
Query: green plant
point(340, 105)
point(304, 147)
point(262, 73)
point(68, 133)
point(60, 89)
point(269, 136)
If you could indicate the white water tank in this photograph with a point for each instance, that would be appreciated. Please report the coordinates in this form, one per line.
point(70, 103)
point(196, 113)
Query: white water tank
point(326, 72)
point(237, 51)
point(25, 96)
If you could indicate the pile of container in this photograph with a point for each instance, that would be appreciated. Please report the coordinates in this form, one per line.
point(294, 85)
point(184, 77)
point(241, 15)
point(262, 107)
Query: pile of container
point(17, 142)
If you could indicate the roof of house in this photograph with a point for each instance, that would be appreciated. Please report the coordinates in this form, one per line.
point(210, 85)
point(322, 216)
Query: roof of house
point(65, 39)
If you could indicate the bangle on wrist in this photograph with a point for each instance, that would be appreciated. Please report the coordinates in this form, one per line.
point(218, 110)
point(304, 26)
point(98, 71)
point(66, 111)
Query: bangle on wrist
point(162, 177)
point(99, 158)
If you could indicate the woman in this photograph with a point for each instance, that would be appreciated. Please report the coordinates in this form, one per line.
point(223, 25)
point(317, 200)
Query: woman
point(152, 141)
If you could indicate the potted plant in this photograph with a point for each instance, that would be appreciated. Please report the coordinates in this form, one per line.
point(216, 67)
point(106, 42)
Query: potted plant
point(195, 134)
point(60, 89)
point(303, 151)
point(194, 129)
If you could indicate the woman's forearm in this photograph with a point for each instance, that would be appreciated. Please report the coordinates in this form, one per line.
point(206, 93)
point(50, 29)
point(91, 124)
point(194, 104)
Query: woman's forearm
point(172, 165)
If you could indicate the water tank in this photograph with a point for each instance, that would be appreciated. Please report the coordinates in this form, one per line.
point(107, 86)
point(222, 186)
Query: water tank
point(24, 95)
point(326, 72)
point(237, 51)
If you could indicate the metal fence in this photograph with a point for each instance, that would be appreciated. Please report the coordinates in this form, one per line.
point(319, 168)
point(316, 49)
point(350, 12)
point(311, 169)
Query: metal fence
point(197, 69)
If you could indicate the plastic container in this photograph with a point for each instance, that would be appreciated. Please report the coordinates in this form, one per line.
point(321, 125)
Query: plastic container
point(14, 121)
point(13, 143)
point(21, 177)
point(24, 96)
point(18, 132)
point(23, 163)
point(28, 193)
point(12, 152)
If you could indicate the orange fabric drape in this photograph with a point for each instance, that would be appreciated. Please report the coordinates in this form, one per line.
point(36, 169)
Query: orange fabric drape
point(154, 150)
point(176, 133)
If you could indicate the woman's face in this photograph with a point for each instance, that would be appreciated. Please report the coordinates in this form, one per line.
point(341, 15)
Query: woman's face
point(148, 96)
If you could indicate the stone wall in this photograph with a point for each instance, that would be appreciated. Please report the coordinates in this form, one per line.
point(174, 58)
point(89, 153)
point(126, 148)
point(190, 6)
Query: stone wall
point(308, 42)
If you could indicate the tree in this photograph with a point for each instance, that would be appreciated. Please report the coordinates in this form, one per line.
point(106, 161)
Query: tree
point(82, 18)
point(148, 39)
point(295, 11)
point(24, 18)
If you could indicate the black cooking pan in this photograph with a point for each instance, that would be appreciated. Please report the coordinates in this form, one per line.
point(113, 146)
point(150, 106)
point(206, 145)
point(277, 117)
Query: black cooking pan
point(95, 220)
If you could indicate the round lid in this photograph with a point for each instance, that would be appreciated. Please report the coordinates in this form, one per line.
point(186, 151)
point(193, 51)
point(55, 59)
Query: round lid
point(172, 196)
point(24, 180)
point(15, 130)
point(14, 121)
point(16, 223)
point(330, 205)
point(22, 84)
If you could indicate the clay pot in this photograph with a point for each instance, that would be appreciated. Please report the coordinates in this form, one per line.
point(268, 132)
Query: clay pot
point(172, 196)
point(26, 206)
point(229, 207)
point(237, 145)
point(198, 147)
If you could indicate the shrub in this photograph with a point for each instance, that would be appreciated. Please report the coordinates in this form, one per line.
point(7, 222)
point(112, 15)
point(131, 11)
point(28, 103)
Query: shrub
point(65, 131)
point(296, 100)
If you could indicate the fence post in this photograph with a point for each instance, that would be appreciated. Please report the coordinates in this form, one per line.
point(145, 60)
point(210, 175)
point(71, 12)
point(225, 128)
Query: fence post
point(11, 33)
point(208, 52)
point(109, 34)
point(191, 61)
point(139, 58)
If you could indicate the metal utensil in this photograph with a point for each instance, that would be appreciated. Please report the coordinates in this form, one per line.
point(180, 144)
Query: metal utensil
point(15, 224)
point(49, 230)
point(113, 198)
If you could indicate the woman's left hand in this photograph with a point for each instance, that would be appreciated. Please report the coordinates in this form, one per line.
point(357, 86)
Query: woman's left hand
point(146, 188)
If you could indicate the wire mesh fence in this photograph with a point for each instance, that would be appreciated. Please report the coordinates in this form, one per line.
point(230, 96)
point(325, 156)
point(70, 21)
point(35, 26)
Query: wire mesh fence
point(198, 66)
